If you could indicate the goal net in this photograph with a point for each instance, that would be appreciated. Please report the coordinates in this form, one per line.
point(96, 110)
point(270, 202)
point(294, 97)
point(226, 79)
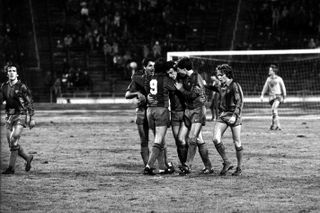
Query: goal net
point(300, 70)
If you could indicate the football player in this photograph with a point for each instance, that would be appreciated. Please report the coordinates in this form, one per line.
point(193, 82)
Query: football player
point(193, 91)
point(158, 87)
point(274, 85)
point(136, 90)
point(230, 111)
point(19, 114)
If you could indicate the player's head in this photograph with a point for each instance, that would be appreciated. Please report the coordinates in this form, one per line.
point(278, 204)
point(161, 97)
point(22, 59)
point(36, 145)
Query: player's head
point(160, 66)
point(224, 72)
point(273, 69)
point(148, 65)
point(172, 70)
point(184, 65)
point(12, 71)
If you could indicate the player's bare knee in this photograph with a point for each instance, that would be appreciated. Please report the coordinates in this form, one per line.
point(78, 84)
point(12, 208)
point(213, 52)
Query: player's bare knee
point(14, 138)
point(192, 141)
point(199, 142)
point(14, 147)
point(237, 143)
point(180, 142)
point(215, 141)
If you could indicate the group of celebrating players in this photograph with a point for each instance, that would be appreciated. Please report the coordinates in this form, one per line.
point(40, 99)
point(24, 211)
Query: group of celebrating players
point(165, 84)
point(160, 85)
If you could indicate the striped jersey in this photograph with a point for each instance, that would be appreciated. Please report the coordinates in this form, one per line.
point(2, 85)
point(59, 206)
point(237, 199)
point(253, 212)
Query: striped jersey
point(158, 87)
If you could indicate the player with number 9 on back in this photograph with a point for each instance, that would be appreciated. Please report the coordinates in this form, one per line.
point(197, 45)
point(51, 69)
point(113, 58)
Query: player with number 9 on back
point(158, 87)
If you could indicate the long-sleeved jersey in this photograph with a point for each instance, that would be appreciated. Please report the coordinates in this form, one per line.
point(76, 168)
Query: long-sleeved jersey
point(177, 102)
point(274, 86)
point(231, 97)
point(137, 85)
point(193, 91)
point(18, 98)
point(158, 87)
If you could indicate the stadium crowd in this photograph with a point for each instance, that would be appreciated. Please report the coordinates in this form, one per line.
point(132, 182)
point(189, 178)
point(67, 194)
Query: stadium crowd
point(280, 25)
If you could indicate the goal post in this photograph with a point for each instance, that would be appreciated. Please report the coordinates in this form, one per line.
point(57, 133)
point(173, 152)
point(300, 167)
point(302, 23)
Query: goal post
point(299, 68)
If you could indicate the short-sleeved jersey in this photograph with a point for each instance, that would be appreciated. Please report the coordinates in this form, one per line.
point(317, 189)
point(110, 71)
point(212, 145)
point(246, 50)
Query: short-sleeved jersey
point(274, 86)
point(193, 91)
point(18, 98)
point(158, 87)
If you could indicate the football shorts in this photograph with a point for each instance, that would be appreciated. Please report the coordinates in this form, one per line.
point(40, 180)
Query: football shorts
point(273, 98)
point(16, 119)
point(197, 115)
point(224, 117)
point(158, 116)
point(141, 115)
point(176, 117)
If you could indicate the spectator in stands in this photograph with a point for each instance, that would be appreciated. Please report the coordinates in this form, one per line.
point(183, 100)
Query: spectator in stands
point(56, 87)
point(84, 10)
point(312, 44)
point(156, 50)
point(87, 81)
point(59, 45)
point(117, 19)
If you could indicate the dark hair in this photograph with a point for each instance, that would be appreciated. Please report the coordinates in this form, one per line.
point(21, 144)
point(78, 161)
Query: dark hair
point(11, 64)
point(185, 63)
point(145, 61)
point(225, 69)
point(160, 66)
point(170, 64)
point(274, 68)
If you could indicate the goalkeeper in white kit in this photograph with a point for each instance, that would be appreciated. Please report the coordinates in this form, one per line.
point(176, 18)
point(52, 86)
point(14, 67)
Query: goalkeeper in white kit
point(276, 89)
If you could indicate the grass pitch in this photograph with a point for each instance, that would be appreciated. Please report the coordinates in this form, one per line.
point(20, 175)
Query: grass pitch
point(89, 161)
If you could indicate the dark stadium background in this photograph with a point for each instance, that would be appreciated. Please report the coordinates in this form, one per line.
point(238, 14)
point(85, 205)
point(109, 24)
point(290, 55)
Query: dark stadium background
point(36, 34)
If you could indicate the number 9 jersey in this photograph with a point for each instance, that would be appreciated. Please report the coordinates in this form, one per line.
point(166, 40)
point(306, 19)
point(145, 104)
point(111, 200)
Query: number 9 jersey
point(158, 87)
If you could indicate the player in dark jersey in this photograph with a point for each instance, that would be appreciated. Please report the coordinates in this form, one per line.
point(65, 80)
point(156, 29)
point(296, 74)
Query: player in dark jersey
point(177, 108)
point(19, 114)
point(193, 92)
point(230, 112)
point(158, 87)
point(136, 90)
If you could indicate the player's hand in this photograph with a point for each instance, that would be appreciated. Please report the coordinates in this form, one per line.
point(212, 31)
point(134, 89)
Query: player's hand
point(232, 119)
point(150, 98)
point(178, 85)
point(32, 123)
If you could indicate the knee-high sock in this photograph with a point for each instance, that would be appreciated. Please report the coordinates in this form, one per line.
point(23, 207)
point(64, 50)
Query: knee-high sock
point(156, 149)
point(13, 158)
point(161, 159)
point(222, 151)
point(239, 152)
point(22, 154)
point(204, 154)
point(182, 153)
point(145, 154)
point(192, 149)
